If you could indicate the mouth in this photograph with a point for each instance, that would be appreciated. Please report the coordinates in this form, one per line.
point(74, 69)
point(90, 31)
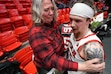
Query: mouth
point(73, 28)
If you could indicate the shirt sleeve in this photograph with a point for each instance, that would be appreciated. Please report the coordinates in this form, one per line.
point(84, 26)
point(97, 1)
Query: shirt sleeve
point(42, 46)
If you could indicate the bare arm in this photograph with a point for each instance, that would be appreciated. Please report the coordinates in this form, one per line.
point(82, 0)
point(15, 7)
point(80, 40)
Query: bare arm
point(93, 50)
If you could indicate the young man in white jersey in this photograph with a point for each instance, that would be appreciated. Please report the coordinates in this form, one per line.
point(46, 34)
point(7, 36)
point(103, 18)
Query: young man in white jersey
point(83, 44)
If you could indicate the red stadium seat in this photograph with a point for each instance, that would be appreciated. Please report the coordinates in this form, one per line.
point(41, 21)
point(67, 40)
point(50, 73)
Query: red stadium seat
point(6, 1)
point(5, 34)
point(25, 5)
point(18, 21)
point(68, 10)
point(22, 33)
point(28, 20)
point(6, 24)
point(3, 11)
point(62, 17)
point(1, 52)
point(19, 54)
point(24, 57)
point(67, 19)
point(9, 41)
point(10, 5)
point(30, 68)
point(30, 1)
point(16, 2)
point(63, 11)
point(22, 1)
point(59, 12)
point(29, 10)
point(13, 12)
point(105, 14)
point(20, 27)
point(58, 19)
point(2, 2)
point(21, 10)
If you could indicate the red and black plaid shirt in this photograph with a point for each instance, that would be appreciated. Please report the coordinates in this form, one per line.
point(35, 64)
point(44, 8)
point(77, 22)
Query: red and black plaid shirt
point(48, 48)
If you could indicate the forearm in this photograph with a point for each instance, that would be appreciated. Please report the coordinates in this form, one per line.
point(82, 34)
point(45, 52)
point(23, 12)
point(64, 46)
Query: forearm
point(62, 64)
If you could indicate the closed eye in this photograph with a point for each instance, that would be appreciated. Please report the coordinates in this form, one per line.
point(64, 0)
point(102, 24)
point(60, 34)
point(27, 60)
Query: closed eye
point(75, 20)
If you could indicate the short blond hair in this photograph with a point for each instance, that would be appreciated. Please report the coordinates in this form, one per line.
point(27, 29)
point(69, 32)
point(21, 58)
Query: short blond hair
point(37, 11)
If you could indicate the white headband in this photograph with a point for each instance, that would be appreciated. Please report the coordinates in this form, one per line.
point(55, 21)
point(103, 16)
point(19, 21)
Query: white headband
point(83, 10)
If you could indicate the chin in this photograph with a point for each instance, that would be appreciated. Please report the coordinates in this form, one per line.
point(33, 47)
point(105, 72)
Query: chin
point(75, 32)
point(48, 22)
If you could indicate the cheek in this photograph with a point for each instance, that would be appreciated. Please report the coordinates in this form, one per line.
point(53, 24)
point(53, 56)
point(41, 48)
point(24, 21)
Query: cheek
point(81, 27)
point(44, 15)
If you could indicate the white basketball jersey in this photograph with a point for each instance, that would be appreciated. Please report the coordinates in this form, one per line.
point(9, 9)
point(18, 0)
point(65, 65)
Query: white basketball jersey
point(75, 45)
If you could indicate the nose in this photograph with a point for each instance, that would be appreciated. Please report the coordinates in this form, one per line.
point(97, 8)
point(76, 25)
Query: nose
point(51, 12)
point(72, 23)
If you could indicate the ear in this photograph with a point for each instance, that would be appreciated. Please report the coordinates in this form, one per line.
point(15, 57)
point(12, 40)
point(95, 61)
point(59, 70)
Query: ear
point(90, 19)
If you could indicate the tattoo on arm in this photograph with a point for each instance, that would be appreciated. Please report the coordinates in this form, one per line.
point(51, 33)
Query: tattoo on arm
point(94, 50)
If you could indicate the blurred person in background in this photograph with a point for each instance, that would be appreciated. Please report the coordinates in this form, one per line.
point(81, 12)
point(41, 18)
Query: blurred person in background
point(108, 3)
point(60, 4)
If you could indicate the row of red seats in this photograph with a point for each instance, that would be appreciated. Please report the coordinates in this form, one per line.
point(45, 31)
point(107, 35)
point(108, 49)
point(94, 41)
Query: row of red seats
point(20, 25)
point(8, 42)
point(4, 12)
point(15, 1)
point(24, 57)
point(20, 30)
point(15, 18)
point(63, 15)
point(63, 11)
point(11, 40)
point(14, 31)
point(15, 21)
point(12, 5)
